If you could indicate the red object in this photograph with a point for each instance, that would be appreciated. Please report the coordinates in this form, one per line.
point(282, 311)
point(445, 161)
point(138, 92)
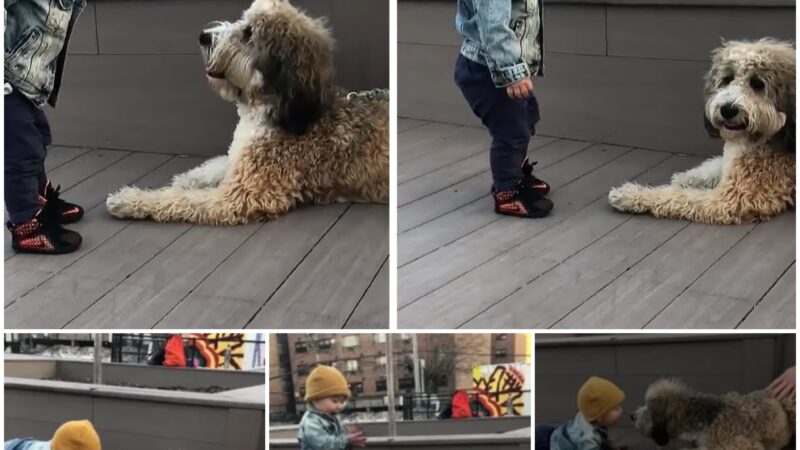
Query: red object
point(173, 352)
point(461, 405)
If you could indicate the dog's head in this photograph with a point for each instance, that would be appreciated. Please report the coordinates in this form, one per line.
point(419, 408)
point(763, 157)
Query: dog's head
point(274, 55)
point(663, 413)
point(749, 91)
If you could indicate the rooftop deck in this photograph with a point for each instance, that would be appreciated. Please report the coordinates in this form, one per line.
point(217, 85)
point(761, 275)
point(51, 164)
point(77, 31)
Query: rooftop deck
point(585, 266)
point(317, 267)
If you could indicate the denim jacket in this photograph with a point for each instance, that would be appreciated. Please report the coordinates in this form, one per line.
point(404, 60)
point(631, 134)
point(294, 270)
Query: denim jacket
point(579, 434)
point(36, 36)
point(26, 444)
point(504, 35)
point(321, 431)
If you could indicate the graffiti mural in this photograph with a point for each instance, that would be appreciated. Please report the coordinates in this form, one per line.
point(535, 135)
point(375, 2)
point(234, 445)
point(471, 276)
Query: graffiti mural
point(243, 351)
point(503, 389)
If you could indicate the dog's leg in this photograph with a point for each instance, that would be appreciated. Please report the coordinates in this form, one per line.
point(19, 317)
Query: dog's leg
point(704, 176)
point(673, 202)
point(250, 193)
point(208, 174)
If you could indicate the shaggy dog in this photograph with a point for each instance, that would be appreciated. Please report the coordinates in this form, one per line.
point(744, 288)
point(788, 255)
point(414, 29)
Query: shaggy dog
point(754, 421)
point(750, 104)
point(299, 138)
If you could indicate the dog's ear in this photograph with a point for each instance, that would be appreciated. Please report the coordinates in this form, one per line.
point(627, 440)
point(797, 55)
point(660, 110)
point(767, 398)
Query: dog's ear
point(710, 86)
point(300, 103)
point(659, 433)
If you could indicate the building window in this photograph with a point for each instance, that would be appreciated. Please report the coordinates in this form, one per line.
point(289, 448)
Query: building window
point(357, 388)
point(380, 338)
point(380, 385)
point(380, 360)
point(501, 352)
point(350, 341)
point(405, 336)
point(302, 391)
point(500, 337)
point(325, 344)
point(300, 347)
point(303, 370)
point(352, 365)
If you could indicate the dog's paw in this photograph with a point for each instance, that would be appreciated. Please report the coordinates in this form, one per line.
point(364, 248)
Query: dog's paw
point(627, 198)
point(683, 179)
point(693, 180)
point(125, 203)
point(185, 181)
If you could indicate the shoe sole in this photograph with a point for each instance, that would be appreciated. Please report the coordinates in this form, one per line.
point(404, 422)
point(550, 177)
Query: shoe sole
point(44, 252)
point(528, 216)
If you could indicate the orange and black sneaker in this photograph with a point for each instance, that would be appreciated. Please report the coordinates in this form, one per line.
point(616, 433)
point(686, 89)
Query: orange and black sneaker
point(63, 211)
point(533, 185)
point(42, 235)
point(516, 202)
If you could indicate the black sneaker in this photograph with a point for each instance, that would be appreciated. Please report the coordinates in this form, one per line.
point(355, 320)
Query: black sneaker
point(517, 203)
point(530, 183)
point(63, 211)
point(42, 235)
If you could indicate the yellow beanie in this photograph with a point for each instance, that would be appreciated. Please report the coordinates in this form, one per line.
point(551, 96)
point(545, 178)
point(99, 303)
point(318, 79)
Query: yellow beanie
point(325, 381)
point(598, 396)
point(76, 435)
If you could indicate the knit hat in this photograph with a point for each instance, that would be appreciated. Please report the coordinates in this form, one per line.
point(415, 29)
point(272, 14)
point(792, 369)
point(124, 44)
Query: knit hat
point(76, 435)
point(325, 381)
point(598, 396)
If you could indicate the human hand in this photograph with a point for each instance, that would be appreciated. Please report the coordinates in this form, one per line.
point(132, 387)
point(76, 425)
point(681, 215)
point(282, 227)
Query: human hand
point(783, 386)
point(356, 437)
point(521, 89)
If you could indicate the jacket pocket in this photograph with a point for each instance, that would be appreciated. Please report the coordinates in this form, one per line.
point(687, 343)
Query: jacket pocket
point(24, 47)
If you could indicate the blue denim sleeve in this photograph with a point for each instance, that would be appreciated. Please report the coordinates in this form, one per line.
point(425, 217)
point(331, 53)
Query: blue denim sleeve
point(504, 54)
point(313, 435)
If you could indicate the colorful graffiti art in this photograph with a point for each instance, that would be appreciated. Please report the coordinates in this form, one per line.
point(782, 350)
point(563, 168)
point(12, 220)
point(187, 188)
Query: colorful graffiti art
point(214, 347)
point(502, 388)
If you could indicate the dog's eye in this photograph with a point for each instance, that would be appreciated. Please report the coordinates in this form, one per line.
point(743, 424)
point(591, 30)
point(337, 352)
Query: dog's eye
point(247, 33)
point(757, 84)
point(727, 80)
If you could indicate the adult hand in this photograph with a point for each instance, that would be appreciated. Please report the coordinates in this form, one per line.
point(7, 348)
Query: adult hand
point(783, 386)
point(356, 437)
point(520, 89)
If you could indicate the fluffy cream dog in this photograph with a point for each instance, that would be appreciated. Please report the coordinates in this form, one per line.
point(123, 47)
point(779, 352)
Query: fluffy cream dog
point(754, 421)
point(750, 104)
point(299, 138)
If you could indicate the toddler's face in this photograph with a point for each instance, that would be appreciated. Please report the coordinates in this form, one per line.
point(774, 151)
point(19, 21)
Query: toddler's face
point(330, 405)
point(611, 418)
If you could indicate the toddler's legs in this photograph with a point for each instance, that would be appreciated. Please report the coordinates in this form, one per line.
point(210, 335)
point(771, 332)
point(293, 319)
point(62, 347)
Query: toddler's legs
point(26, 139)
point(542, 437)
point(510, 122)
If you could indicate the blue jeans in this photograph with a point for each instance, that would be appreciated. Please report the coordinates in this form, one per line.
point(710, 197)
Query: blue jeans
point(542, 436)
point(511, 122)
point(26, 140)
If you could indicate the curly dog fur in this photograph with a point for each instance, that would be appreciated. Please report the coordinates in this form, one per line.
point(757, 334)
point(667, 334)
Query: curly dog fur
point(299, 138)
point(733, 421)
point(750, 104)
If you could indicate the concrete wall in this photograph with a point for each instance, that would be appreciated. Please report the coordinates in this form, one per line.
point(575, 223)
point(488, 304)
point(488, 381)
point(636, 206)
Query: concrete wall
point(713, 363)
point(134, 419)
point(427, 427)
point(519, 440)
point(626, 72)
point(135, 81)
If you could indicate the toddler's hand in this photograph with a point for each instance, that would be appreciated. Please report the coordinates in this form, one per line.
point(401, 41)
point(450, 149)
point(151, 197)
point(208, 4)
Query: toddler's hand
point(356, 437)
point(783, 386)
point(520, 89)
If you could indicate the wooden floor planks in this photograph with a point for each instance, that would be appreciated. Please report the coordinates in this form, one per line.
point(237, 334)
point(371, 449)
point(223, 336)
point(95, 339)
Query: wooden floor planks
point(144, 274)
point(585, 266)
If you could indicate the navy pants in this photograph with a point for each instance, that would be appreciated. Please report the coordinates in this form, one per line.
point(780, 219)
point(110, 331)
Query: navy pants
point(542, 437)
point(27, 135)
point(511, 122)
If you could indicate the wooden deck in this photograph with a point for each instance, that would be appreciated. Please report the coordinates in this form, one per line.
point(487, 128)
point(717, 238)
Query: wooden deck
point(318, 267)
point(585, 266)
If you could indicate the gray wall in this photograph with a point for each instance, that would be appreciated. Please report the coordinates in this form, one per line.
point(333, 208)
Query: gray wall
point(427, 427)
point(715, 364)
point(626, 72)
point(134, 419)
point(134, 79)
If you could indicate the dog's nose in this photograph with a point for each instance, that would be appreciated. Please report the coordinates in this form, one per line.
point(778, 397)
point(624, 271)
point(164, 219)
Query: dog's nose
point(729, 111)
point(205, 39)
